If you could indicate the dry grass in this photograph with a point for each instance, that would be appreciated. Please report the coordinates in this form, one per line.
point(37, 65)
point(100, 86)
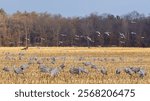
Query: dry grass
point(111, 58)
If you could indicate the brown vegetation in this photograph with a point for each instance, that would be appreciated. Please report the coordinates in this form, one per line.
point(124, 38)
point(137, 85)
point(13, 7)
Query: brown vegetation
point(110, 58)
point(43, 29)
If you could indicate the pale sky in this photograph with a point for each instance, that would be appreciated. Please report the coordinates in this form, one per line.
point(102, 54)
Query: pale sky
point(70, 8)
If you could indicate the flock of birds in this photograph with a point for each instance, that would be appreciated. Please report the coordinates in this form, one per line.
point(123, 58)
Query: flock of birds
point(123, 37)
point(73, 70)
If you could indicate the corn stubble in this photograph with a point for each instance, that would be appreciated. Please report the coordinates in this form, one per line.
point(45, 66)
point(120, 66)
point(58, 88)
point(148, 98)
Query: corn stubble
point(110, 58)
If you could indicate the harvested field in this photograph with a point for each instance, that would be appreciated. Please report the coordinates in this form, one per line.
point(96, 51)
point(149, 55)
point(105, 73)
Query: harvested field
point(74, 57)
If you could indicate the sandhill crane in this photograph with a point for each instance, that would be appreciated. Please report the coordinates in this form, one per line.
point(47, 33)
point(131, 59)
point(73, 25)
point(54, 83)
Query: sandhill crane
point(135, 69)
point(133, 22)
point(42, 40)
point(82, 70)
point(33, 59)
point(74, 70)
point(53, 59)
point(107, 33)
point(6, 69)
point(62, 66)
point(24, 66)
point(103, 71)
point(54, 72)
point(44, 69)
point(39, 61)
point(122, 42)
point(98, 32)
point(21, 54)
point(63, 35)
point(25, 48)
point(133, 33)
point(128, 71)
point(52, 62)
point(122, 35)
point(20, 57)
point(77, 70)
point(142, 73)
point(8, 57)
point(93, 66)
point(77, 36)
point(81, 36)
point(18, 70)
point(89, 39)
point(60, 42)
point(7, 53)
point(81, 58)
point(118, 71)
point(87, 63)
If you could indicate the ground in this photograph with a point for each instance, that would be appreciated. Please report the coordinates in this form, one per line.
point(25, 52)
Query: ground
point(110, 58)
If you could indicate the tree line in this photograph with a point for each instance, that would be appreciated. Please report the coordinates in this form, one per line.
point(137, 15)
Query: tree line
point(44, 29)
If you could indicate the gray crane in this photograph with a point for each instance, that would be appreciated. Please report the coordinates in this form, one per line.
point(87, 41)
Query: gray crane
point(103, 71)
point(81, 58)
point(24, 66)
point(128, 71)
point(87, 63)
point(53, 60)
point(122, 35)
point(93, 66)
point(77, 36)
point(62, 66)
point(89, 39)
point(133, 33)
point(63, 35)
point(122, 42)
point(78, 70)
point(118, 71)
point(39, 61)
point(6, 69)
point(18, 70)
point(142, 73)
point(21, 55)
point(107, 33)
point(98, 33)
point(135, 69)
point(33, 59)
point(44, 68)
point(82, 70)
point(74, 71)
point(25, 48)
point(54, 72)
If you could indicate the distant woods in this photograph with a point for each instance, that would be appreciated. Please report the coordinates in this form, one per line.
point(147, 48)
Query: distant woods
point(43, 29)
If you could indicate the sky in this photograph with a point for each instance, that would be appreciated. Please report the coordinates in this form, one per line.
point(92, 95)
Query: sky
point(71, 8)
